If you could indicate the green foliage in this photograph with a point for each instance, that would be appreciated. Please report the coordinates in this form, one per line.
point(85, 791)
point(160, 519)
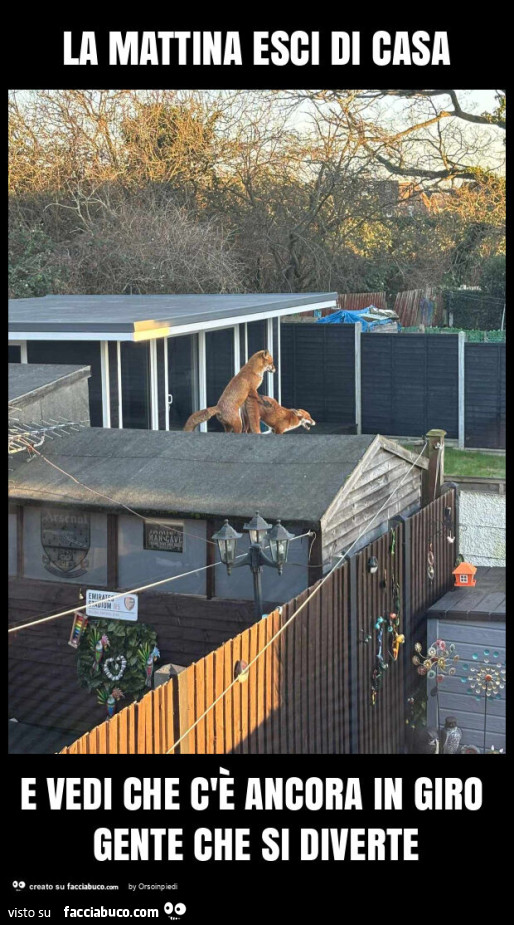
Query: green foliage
point(32, 271)
point(493, 276)
point(130, 640)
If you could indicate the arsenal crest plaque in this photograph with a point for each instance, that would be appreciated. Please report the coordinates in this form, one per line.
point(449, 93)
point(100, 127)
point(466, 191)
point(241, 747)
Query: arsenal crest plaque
point(65, 537)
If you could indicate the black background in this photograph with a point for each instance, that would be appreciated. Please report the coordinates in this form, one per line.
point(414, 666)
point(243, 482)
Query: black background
point(461, 853)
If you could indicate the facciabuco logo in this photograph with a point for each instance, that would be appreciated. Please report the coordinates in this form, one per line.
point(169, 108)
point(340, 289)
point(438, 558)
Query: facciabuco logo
point(179, 910)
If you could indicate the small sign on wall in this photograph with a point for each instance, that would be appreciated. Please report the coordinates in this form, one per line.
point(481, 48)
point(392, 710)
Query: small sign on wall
point(98, 604)
point(164, 536)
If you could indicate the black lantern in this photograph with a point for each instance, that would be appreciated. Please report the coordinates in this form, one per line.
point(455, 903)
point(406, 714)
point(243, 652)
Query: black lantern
point(372, 565)
point(257, 528)
point(226, 539)
point(279, 544)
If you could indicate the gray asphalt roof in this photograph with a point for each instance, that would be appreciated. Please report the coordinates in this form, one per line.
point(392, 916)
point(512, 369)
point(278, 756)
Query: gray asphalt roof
point(29, 381)
point(128, 313)
point(155, 472)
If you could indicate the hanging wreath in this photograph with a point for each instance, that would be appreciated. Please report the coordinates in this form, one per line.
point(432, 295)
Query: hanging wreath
point(111, 652)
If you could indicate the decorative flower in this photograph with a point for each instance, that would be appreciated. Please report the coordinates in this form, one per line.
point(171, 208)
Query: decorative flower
point(487, 678)
point(105, 641)
point(418, 647)
point(432, 651)
point(117, 693)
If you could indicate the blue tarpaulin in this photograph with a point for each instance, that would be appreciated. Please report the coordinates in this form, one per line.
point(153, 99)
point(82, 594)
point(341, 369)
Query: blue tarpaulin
point(346, 317)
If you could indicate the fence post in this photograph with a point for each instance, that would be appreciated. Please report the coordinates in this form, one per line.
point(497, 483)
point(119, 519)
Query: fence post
point(461, 365)
point(357, 373)
point(352, 662)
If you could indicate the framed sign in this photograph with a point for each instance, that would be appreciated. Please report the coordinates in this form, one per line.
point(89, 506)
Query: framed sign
point(122, 608)
point(164, 535)
point(65, 538)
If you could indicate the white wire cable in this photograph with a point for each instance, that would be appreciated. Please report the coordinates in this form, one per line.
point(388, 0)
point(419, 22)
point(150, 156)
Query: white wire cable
point(113, 597)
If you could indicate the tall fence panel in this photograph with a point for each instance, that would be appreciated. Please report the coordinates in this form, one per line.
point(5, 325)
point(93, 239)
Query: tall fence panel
point(379, 716)
point(429, 535)
point(409, 383)
point(485, 395)
point(318, 371)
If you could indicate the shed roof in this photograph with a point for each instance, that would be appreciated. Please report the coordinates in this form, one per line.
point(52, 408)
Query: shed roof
point(218, 474)
point(31, 381)
point(486, 601)
point(139, 317)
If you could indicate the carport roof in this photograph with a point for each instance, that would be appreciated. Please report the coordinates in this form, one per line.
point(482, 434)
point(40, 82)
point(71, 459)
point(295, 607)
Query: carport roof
point(141, 317)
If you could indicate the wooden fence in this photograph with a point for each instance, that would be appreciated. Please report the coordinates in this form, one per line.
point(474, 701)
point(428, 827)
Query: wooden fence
point(310, 692)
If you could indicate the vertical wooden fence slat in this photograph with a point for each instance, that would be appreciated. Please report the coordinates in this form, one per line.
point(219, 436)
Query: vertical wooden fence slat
point(260, 694)
point(209, 699)
point(219, 736)
point(200, 704)
point(236, 698)
point(245, 656)
point(251, 685)
point(228, 700)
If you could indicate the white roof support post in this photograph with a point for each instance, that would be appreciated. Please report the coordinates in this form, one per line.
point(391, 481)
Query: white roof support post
point(167, 396)
point(269, 341)
point(237, 357)
point(154, 391)
point(202, 375)
point(120, 385)
point(246, 342)
point(358, 380)
point(106, 387)
point(23, 352)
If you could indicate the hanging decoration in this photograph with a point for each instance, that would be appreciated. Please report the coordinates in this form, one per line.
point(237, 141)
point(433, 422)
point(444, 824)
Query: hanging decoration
point(397, 639)
point(430, 562)
point(77, 629)
point(110, 652)
point(380, 664)
point(114, 668)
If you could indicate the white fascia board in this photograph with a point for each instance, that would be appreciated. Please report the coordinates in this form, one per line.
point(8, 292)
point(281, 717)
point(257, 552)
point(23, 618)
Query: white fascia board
point(174, 330)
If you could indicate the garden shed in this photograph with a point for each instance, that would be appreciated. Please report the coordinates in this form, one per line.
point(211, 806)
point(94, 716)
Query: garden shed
point(328, 486)
point(473, 619)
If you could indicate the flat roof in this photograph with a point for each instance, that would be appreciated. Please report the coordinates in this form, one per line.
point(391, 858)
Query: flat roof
point(160, 472)
point(486, 601)
point(141, 317)
point(31, 381)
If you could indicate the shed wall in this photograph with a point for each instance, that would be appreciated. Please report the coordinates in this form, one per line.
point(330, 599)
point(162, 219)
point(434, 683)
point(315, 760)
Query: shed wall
point(381, 474)
point(455, 698)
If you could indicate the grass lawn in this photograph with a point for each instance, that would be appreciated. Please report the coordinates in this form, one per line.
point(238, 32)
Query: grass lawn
point(471, 463)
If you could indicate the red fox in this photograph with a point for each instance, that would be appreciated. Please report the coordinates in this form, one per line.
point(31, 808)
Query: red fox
point(228, 409)
point(277, 417)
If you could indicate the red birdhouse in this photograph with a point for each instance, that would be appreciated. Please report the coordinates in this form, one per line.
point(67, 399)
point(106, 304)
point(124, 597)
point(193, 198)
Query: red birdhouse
point(464, 575)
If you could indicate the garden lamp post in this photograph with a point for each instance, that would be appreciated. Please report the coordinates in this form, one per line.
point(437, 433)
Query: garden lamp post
point(256, 558)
